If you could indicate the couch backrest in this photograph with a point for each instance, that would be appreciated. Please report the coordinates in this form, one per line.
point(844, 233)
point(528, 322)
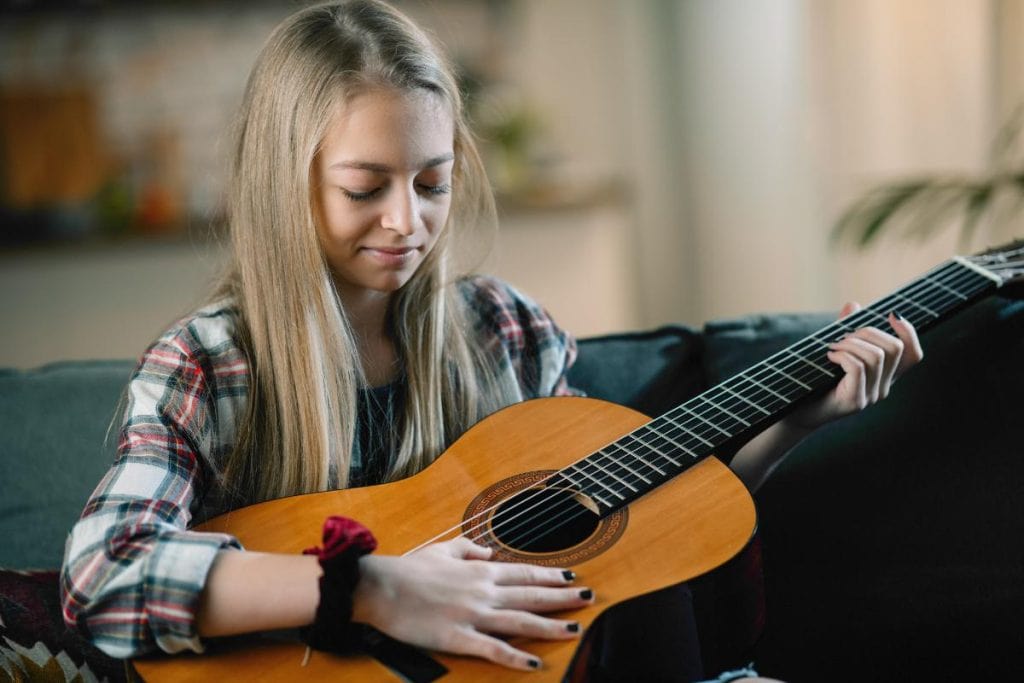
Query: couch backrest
point(54, 420)
point(53, 451)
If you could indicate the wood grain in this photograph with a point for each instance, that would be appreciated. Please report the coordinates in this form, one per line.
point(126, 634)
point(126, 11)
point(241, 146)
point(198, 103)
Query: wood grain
point(685, 528)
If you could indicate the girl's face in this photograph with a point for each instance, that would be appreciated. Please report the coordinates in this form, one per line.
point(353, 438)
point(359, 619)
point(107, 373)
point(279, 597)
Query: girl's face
point(384, 175)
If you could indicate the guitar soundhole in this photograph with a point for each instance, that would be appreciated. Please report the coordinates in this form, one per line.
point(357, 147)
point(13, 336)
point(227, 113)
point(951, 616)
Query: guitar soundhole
point(543, 521)
point(525, 521)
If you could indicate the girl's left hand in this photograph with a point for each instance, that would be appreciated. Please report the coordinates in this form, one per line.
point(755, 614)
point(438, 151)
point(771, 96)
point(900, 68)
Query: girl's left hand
point(872, 360)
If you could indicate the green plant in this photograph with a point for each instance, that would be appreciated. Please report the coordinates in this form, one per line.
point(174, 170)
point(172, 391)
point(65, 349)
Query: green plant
point(921, 206)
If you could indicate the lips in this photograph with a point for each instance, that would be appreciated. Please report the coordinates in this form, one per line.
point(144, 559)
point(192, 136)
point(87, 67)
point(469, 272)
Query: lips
point(392, 257)
point(393, 251)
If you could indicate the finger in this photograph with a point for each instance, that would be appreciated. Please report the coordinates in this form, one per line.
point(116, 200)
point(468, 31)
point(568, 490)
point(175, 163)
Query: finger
point(912, 351)
point(871, 359)
point(519, 574)
point(854, 380)
point(476, 644)
point(542, 598)
point(892, 349)
point(464, 549)
point(849, 308)
point(527, 625)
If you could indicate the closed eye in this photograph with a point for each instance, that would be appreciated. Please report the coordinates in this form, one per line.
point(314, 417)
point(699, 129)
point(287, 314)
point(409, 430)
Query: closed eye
point(361, 196)
point(444, 188)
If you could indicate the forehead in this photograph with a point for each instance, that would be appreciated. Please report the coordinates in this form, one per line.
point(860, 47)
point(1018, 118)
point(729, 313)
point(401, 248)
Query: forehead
point(391, 127)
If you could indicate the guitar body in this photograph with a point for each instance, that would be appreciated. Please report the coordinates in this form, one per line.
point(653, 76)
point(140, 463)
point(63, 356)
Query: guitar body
point(686, 527)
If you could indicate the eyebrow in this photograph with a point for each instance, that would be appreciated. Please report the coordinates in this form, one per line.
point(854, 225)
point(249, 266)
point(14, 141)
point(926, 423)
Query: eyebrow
point(384, 168)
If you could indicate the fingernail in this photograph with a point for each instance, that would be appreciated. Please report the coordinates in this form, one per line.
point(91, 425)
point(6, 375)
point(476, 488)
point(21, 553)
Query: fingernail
point(586, 594)
point(896, 315)
point(534, 663)
point(573, 627)
point(569, 575)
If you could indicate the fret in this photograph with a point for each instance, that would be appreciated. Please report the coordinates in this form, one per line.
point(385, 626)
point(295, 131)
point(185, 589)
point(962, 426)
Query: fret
point(619, 462)
point(756, 400)
point(637, 457)
point(765, 387)
point(648, 429)
point(584, 488)
point(937, 283)
point(726, 387)
point(707, 422)
point(788, 376)
point(779, 383)
point(723, 410)
point(876, 314)
point(596, 463)
point(812, 364)
point(921, 306)
point(698, 436)
point(676, 443)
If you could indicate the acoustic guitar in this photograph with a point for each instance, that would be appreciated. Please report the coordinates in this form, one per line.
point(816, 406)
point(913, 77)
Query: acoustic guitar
point(632, 504)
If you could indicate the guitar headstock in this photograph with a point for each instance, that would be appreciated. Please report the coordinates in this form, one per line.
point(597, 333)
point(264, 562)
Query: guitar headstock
point(1005, 262)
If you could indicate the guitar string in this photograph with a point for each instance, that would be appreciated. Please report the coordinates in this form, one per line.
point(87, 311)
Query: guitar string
point(809, 342)
point(539, 500)
point(557, 517)
point(734, 402)
point(557, 520)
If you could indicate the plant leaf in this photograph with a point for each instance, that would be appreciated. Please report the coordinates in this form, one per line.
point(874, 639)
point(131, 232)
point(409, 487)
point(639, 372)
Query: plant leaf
point(974, 209)
point(865, 218)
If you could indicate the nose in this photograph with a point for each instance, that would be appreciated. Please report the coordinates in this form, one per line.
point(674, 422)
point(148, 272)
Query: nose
point(401, 211)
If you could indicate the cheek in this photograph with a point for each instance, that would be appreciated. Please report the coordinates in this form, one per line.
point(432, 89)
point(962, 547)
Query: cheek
point(436, 215)
point(339, 216)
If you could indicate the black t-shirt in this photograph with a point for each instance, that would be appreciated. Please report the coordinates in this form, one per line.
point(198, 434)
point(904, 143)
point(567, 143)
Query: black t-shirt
point(377, 432)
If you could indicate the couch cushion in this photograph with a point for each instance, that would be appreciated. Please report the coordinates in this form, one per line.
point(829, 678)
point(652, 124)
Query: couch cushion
point(648, 371)
point(53, 451)
point(735, 344)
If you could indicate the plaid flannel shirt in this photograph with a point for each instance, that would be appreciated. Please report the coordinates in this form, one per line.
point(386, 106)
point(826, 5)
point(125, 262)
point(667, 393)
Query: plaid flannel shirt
point(133, 570)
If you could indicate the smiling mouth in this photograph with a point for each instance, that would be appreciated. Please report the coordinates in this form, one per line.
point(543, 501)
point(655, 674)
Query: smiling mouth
point(393, 251)
point(392, 257)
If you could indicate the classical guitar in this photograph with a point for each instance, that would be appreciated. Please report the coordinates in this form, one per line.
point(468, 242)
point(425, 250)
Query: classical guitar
point(630, 503)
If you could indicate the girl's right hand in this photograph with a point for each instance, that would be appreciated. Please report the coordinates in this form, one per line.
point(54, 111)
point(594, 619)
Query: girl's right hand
point(449, 597)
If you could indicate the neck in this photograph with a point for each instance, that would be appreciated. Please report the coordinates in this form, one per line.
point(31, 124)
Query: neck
point(367, 313)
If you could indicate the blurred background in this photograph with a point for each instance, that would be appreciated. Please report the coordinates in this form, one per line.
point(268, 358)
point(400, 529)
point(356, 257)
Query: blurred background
point(655, 160)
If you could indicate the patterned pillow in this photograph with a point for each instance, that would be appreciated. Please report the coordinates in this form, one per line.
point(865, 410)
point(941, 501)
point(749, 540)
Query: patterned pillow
point(34, 643)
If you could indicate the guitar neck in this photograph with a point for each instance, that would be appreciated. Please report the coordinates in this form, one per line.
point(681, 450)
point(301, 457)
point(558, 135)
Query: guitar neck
point(750, 400)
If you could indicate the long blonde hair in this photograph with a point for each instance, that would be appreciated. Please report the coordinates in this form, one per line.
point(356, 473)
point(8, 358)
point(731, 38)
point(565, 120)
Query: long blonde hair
point(305, 372)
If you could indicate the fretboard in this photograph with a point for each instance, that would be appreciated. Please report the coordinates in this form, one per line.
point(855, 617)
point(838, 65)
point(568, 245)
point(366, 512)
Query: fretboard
point(637, 463)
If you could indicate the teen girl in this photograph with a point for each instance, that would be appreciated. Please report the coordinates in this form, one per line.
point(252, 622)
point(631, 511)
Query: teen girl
point(340, 349)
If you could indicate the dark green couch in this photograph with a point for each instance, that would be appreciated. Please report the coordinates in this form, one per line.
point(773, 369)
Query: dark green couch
point(892, 543)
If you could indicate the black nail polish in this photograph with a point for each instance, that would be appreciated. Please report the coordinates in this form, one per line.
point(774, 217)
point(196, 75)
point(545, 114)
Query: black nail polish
point(573, 627)
point(534, 663)
point(897, 315)
point(586, 594)
point(569, 575)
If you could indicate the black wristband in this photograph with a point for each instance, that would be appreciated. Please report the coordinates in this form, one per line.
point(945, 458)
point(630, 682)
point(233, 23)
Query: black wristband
point(332, 630)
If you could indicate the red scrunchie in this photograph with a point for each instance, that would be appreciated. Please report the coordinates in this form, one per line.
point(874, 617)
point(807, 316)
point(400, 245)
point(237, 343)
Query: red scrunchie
point(344, 542)
point(340, 534)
